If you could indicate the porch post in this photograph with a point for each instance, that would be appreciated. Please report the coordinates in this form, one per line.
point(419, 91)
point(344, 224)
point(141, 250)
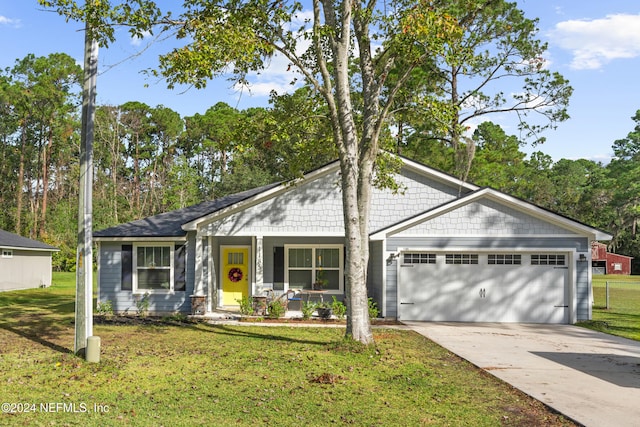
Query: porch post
point(212, 277)
point(198, 288)
point(259, 253)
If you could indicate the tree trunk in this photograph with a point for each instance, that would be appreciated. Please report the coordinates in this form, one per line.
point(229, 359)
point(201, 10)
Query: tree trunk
point(45, 184)
point(19, 195)
point(357, 256)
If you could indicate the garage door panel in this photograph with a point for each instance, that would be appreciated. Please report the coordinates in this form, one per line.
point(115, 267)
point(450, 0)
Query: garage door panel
point(484, 293)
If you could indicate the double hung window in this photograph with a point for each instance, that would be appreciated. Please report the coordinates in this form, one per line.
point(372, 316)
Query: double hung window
point(153, 268)
point(306, 265)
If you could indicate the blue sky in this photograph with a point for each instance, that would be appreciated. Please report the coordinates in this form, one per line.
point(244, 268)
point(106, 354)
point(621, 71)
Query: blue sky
point(594, 44)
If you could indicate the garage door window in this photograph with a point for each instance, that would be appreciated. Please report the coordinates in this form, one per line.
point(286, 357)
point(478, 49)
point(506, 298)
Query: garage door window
point(504, 259)
point(412, 258)
point(547, 259)
point(461, 258)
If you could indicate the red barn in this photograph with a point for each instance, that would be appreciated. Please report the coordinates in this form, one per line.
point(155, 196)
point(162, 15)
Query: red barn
point(604, 262)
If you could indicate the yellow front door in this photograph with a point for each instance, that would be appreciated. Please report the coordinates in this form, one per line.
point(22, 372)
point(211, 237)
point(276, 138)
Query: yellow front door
point(235, 274)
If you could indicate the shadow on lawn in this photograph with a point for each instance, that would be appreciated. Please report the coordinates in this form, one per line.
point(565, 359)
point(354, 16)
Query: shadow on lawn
point(37, 315)
point(243, 331)
point(34, 332)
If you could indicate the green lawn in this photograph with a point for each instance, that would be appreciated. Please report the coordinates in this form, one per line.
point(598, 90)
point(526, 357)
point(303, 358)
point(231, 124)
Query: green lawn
point(623, 316)
point(188, 374)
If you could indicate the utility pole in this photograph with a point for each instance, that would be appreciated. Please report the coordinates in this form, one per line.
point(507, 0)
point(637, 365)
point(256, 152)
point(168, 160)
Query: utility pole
point(84, 258)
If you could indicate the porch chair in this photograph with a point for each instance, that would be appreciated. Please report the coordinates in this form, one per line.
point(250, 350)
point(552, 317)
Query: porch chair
point(292, 295)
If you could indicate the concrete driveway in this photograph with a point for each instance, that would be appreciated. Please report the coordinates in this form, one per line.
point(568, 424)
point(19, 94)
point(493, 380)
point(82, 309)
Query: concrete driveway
point(591, 377)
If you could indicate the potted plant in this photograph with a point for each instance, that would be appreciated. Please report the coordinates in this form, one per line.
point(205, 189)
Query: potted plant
point(324, 310)
point(320, 282)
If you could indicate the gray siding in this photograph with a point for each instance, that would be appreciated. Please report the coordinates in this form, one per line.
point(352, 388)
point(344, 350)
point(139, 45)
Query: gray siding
point(25, 270)
point(110, 284)
point(316, 207)
point(485, 217)
point(580, 244)
point(419, 194)
point(375, 273)
point(583, 300)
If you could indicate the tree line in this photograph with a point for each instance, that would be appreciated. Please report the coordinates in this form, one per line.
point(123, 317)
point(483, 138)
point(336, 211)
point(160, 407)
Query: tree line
point(149, 160)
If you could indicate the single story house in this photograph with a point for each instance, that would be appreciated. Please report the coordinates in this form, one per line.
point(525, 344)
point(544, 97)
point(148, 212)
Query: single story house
point(440, 250)
point(24, 263)
point(605, 262)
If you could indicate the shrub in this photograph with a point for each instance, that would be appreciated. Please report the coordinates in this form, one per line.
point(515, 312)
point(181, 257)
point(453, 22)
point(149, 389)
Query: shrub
point(105, 308)
point(308, 308)
point(373, 309)
point(338, 308)
point(142, 304)
point(276, 309)
point(246, 306)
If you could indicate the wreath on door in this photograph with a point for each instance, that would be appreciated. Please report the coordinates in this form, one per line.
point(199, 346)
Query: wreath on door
point(235, 275)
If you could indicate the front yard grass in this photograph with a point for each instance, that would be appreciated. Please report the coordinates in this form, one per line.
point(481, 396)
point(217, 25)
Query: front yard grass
point(188, 374)
point(623, 316)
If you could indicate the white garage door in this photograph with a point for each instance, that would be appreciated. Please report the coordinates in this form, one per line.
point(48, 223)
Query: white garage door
point(481, 287)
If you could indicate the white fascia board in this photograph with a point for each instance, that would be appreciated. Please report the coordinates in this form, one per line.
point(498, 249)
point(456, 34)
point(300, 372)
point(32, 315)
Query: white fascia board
point(259, 198)
point(141, 239)
point(489, 193)
point(19, 248)
point(440, 176)
point(267, 234)
point(466, 249)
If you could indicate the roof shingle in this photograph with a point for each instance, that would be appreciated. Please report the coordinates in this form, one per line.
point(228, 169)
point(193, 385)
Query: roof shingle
point(169, 224)
point(11, 240)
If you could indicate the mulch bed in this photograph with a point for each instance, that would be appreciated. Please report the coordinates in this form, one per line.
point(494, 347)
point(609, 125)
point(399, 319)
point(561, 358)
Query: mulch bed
point(157, 320)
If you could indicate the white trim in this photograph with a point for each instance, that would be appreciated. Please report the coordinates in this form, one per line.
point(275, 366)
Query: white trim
point(198, 285)
point(7, 253)
point(258, 258)
point(211, 279)
point(134, 264)
point(313, 247)
point(488, 236)
point(19, 248)
point(484, 250)
point(295, 233)
point(133, 239)
point(437, 175)
point(385, 255)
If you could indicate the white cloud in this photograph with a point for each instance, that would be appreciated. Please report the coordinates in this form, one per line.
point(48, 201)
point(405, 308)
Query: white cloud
point(597, 42)
point(8, 21)
point(137, 41)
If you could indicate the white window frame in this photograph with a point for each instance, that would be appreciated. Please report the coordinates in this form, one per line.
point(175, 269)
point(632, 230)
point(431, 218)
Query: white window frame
point(546, 259)
point(419, 258)
point(7, 253)
point(314, 268)
point(504, 259)
point(135, 268)
point(461, 258)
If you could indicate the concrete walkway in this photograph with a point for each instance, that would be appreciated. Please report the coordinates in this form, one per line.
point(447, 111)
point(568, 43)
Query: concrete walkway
point(591, 377)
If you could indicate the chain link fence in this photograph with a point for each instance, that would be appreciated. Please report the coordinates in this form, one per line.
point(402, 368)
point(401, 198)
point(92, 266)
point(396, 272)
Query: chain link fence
point(618, 295)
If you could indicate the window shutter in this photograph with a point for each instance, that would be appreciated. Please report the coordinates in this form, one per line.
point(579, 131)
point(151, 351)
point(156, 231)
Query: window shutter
point(179, 268)
point(278, 268)
point(126, 263)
